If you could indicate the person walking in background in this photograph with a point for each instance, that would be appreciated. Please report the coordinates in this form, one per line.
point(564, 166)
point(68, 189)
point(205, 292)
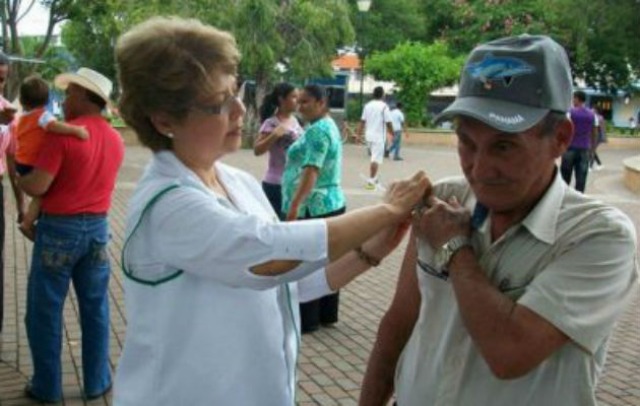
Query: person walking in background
point(399, 129)
point(576, 159)
point(376, 124)
point(280, 128)
point(75, 179)
point(512, 282)
point(34, 123)
point(312, 187)
point(7, 166)
point(211, 273)
point(595, 162)
point(632, 126)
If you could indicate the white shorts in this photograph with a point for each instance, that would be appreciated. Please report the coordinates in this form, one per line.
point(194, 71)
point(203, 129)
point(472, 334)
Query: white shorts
point(376, 149)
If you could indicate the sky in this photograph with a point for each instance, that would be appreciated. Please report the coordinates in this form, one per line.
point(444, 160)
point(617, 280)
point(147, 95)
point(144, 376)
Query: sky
point(35, 22)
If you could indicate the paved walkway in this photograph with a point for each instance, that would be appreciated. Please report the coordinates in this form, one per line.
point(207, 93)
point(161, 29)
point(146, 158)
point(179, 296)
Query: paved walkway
point(333, 360)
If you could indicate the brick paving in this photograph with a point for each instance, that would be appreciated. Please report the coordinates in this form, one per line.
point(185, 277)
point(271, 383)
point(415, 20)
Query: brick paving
point(332, 360)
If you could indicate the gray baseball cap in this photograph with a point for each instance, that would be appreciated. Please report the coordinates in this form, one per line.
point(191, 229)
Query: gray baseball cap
point(512, 83)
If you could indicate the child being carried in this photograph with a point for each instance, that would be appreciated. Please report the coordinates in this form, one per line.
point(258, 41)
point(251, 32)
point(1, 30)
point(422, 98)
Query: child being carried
point(31, 131)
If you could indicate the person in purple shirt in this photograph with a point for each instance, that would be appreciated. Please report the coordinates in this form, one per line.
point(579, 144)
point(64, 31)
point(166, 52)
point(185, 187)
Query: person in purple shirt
point(280, 128)
point(577, 157)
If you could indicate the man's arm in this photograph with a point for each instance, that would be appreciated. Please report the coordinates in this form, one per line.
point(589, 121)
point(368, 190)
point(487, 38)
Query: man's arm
point(13, 179)
point(36, 183)
point(389, 132)
point(512, 339)
point(394, 332)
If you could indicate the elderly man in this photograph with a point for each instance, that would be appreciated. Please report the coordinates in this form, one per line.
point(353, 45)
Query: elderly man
point(7, 165)
point(76, 179)
point(512, 282)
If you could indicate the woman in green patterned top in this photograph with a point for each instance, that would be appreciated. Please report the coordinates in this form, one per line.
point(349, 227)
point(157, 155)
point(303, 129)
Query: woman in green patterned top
point(311, 186)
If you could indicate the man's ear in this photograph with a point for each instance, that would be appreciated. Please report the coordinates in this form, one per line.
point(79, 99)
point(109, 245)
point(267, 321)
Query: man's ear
point(563, 136)
point(162, 122)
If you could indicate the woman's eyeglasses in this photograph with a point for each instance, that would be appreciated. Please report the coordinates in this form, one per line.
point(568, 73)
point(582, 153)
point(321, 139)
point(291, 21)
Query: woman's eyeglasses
point(224, 107)
point(218, 109)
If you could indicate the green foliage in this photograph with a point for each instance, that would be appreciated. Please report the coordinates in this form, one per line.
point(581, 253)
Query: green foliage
point(297, 38)
point(353, 110)
point(417, 70)
point(602, 39)
point(388, 23)
point(90, 35)
point(601, 36)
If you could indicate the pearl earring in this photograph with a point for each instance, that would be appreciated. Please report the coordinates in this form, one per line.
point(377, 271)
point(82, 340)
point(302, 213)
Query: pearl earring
point(169, 135)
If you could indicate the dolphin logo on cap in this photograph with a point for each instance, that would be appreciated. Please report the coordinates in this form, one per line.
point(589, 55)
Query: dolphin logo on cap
point(492, 68)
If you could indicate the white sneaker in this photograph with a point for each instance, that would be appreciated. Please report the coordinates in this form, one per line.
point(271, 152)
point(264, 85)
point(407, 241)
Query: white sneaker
point(599, 167)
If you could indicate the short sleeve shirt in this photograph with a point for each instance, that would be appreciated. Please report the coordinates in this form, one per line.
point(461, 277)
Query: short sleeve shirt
point(320, 146)
point(572, 260)
point(397, 119)
point(31, 131)
point(584, 121)
point(376, 115)
point(278, 150)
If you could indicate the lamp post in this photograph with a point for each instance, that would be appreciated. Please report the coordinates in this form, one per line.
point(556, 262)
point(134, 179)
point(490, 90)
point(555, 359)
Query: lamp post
point(363, 7)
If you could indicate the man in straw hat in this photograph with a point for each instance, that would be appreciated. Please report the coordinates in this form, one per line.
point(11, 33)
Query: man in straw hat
point(75, 179)
point(512, 282)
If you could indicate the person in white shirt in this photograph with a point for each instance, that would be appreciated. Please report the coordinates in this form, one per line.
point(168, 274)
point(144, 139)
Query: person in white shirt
point(211, 290)
point(399, 128)
point(512, 283)
point(376, 124)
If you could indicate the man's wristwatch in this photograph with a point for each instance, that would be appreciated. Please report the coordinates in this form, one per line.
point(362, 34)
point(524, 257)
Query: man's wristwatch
point(444, 254)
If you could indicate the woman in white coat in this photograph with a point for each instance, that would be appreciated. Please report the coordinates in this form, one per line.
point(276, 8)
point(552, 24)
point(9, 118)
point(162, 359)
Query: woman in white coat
point(211, 295)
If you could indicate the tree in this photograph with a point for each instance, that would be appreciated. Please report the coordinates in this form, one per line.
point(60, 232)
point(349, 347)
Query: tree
point(600, 36)
point(90, 35)
point(602, 39)
point(417, 70)
point(10, 15)
point(297, 39)
point(388, 23)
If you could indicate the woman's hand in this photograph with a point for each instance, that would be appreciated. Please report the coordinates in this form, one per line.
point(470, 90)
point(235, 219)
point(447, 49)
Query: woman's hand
point(402, 196)
point(279, 131)
point(387, 240)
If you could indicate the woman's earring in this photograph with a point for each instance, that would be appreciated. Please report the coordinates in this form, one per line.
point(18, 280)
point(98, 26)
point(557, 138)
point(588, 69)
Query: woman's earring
point(169, 134)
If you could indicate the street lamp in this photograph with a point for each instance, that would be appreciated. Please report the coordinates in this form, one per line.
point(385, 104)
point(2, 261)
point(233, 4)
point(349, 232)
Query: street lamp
point(363, 7)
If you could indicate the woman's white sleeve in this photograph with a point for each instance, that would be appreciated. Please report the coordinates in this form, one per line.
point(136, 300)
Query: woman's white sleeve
point(197, 234)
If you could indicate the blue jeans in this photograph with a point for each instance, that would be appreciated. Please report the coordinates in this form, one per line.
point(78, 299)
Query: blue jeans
point(69, 249)
point(575, 160)
point(395, 145)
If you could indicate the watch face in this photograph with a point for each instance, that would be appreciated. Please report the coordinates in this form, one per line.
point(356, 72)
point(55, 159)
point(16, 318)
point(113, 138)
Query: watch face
point(441, 258)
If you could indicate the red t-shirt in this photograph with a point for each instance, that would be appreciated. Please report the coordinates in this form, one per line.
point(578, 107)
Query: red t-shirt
point(84, 171)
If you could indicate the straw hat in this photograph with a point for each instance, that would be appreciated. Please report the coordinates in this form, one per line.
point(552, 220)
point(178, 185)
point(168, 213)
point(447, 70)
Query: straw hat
point(88, 79)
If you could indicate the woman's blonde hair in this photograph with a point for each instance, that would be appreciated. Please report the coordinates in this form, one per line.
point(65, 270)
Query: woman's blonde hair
point(164, 64)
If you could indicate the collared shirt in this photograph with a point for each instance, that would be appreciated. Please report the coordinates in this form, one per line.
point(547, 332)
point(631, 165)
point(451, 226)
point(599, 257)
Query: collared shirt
point(572, 260)
point(203, 329)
